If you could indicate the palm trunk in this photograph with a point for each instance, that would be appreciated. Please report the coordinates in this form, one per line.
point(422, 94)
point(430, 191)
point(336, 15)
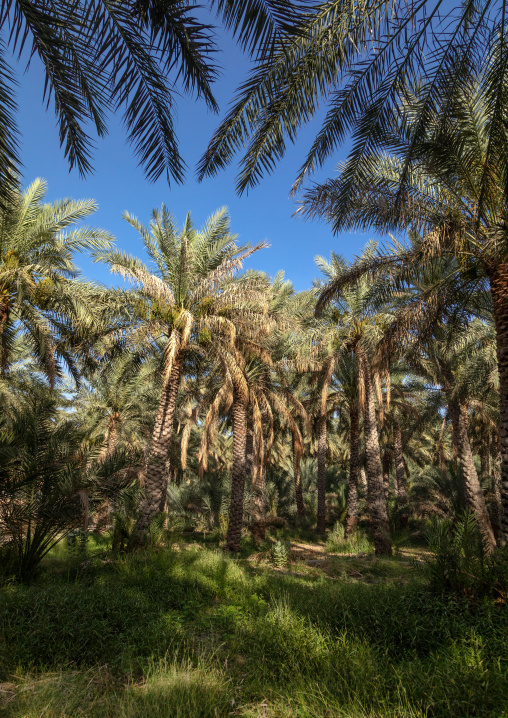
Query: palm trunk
point(362, 481)
point(249, 451)
point(259, 487)
point(485, 458)
point(300, 506)
point(498, 276)
point(112, 435)
point(352, 500)
point(156, 475)
point(400, 474)
point(255, 475)
point(321, 476)
point(5, 311)
point(474, 494)
point(238, 475)
point(375, 490)
point(386, 461)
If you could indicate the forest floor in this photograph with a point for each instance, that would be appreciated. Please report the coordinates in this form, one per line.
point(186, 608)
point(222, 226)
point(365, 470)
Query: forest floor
point(187, 632)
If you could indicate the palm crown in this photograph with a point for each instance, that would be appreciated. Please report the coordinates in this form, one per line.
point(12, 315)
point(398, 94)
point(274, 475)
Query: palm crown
point(37, 293)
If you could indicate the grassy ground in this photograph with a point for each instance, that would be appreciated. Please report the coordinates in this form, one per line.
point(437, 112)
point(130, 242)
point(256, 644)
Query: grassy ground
point(189, 633)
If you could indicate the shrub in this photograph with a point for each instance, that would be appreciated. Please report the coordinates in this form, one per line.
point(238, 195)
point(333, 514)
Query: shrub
point(48, 483)
point(338, 542)
point(280, 553)
point(461, 564)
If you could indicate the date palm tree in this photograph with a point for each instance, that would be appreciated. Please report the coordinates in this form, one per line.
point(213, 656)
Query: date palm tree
point(184, 299)
point(127, 57)
point(40, 296)
point(116, 405)
point(253, 394)
point(356, 58)
point(347, 399)
point(431, 322)
point(48, 479)
point(453, 196)
point(358, 329)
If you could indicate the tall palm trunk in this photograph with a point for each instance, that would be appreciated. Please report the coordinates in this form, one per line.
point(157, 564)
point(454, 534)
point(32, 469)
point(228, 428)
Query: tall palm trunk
point(487, 477)
point(321, 476)
point(112, 435)
point(485, 458)
point(352, 501)
point(472, 489)
point(259, 488)
point(238, 474)
point(255, 474)
point(156, 475)
point(362, 480)
point(249, 449)
point(297, 471)
point(498, 276)
point(5, 312)
point(400, 474)
point(375, 490)
point(386, 462)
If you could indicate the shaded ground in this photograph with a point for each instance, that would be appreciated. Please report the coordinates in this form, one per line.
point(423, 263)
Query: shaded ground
point(188, 633)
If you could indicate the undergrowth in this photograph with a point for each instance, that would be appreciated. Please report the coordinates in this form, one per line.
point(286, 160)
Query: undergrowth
point(338, 542)
point(193, 633)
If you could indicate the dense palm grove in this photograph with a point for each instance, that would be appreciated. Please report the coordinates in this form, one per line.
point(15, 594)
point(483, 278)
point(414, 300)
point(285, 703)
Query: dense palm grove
point(229, 401)
point(218, 495)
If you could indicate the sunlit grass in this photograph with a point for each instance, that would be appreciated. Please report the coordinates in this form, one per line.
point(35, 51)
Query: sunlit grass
point(193, 633)
point(337, 542)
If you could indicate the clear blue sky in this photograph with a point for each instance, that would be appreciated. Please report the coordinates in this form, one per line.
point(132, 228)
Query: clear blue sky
point(118, 183)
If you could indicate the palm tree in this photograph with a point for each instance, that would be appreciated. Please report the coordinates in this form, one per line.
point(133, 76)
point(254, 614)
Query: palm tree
point(122, 57)
point(48, 480)
point(254, 392)
point(453, 195)
point(357, 330)
point(116, 405)
point(347, 399)
point(357, 58)
point(186, 300)
point(39, 295)
point(428, 331)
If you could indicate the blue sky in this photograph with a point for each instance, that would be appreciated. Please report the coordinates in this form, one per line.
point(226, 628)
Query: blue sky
point(118, 183)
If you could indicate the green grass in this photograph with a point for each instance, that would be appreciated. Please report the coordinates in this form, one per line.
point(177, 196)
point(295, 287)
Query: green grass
point(193, 633)
point(338, 543)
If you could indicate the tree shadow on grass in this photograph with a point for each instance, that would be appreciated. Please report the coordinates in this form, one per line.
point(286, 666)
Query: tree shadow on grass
point(170, 690)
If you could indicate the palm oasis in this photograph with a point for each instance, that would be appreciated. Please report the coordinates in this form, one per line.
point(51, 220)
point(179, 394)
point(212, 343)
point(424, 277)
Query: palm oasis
point(254, 461)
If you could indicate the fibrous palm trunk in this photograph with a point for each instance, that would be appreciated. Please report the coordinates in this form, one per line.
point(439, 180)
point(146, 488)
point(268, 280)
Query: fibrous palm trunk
point(300, 506)
point(375, 489)
point(400, 474)
point(386, 461)
point(255, 475)
point(259, 489)
point(238, 475)
point(352, 501)
point(472, 488)
point(249, 450)
point(473, 491)
point(112, 435)
point(321, 477)
point(489, 479)
point(362, 480)
point(485, 458)
point(156, 475)
point(498, 276)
